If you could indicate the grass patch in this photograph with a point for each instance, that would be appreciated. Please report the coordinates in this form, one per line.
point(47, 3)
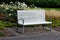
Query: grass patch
point(52, 9)
point(43, 8)
point(4, 24)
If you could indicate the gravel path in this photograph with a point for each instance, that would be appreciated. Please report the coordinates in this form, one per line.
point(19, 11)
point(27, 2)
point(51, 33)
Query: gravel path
point(53, 35)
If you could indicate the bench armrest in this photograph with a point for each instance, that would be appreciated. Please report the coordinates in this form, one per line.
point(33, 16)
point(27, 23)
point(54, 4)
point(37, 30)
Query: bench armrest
point(22, 20)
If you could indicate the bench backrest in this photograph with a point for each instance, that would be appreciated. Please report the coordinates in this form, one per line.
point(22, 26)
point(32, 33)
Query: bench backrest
point(31, 15)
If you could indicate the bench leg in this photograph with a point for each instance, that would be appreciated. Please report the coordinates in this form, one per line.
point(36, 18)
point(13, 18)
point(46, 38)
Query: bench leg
point(50, 27)
point(23, 28)
point(43, 27)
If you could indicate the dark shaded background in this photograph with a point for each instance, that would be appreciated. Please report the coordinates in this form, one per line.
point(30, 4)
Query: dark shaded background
point(38, 3)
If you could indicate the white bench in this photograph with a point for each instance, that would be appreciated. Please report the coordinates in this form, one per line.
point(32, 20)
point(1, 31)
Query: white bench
point(31, 17)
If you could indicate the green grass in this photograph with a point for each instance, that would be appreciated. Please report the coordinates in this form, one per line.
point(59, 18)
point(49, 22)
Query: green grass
point(51, 8)
point(43, 8)
point(4, 24)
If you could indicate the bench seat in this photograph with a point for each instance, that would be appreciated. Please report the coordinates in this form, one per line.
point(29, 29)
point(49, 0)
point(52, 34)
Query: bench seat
point(34, 23)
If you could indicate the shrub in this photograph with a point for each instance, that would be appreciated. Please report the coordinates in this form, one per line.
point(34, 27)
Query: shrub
point(4, 24)
point(55, 21)
point(9, 15)
point(9, 10)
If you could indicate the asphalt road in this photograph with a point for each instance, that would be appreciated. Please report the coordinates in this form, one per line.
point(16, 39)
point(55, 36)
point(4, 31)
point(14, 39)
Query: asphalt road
point(44, 36)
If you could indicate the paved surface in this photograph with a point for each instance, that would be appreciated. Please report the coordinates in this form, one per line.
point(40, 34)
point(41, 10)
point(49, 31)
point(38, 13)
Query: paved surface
point(41, 36)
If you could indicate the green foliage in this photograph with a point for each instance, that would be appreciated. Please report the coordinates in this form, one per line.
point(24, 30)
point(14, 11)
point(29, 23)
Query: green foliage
point(10, 10)
point(39, 3)
point(44, 3)
point(4, 24)
point(55, 21)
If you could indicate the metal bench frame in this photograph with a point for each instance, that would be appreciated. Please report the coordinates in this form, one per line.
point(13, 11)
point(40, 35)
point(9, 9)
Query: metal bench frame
point(37, 17)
